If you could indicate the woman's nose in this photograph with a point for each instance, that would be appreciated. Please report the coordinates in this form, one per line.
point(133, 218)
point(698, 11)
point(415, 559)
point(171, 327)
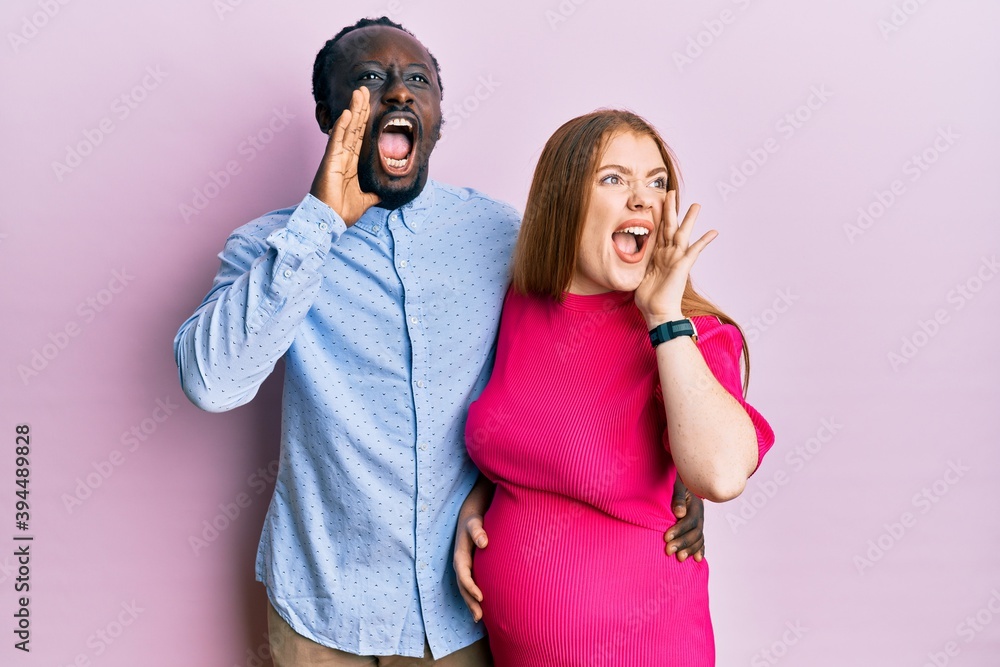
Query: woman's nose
point(639, 198)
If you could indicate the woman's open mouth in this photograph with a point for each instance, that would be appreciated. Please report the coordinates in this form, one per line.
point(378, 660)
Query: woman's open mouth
point(397, 145)
point(630, 240)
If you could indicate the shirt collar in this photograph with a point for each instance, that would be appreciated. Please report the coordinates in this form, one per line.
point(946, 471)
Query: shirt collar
point(414, 213)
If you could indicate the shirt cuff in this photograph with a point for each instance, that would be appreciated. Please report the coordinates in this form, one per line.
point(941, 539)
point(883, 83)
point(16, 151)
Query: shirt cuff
point(316, 223)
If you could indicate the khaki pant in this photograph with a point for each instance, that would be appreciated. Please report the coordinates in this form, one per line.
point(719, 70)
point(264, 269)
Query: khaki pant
point(290, 649)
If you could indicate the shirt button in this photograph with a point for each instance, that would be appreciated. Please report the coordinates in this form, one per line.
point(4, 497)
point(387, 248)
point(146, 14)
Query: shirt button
point(423, 565)
point(423, 508)
point(423, 446)
point(323, 226)
point(420, 383)
point(394, 216)
point(414, 320)
point(402, 263)
point(375, 229)
point(287, 273)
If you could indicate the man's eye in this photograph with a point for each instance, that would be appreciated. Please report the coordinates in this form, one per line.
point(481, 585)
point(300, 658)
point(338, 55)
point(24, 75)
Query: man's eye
point(370, 76)
point(421, 78)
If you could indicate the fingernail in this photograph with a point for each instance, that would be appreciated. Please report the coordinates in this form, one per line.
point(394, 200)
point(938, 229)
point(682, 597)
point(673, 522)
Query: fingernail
point(481, 542)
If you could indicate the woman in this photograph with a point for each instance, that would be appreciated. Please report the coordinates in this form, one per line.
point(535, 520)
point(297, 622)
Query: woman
point(599, 397)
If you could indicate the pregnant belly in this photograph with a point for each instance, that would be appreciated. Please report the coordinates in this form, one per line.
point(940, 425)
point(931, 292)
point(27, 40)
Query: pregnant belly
point(566, 584)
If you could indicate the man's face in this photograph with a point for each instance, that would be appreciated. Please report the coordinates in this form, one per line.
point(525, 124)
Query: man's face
point(405, 119)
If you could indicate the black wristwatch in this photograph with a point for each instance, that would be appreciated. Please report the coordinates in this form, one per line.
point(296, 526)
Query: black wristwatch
point(669, 330)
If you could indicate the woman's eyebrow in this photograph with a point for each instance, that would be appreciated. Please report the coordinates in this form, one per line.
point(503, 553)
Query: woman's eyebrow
point(617, 167)
point(628, 172)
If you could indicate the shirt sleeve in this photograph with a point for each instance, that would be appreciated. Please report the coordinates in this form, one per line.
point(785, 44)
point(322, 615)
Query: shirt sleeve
point(721, 345)
point(262, 292)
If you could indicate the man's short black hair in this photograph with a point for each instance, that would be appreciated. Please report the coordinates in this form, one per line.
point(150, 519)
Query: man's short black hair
point(327, 56)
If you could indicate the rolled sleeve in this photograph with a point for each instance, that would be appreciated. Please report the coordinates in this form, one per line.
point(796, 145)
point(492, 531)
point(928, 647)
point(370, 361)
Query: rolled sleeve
point(721, 345)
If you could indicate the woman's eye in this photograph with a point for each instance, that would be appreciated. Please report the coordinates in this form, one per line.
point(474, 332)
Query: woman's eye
point(612, 179)
point(660, 183)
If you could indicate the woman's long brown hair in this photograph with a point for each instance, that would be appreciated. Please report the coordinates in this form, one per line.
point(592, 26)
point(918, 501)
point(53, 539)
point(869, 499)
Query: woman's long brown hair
point(546, 250)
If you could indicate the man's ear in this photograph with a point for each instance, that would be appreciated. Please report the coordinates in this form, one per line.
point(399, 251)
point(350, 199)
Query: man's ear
point(323, 117)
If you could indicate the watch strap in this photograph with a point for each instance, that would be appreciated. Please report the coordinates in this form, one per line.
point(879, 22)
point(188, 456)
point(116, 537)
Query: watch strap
point(670, 330)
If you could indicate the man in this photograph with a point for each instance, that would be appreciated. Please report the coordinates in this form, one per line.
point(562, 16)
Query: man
point(382, 290)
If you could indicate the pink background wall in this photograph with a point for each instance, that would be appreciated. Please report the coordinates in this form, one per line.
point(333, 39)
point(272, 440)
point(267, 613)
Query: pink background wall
point(867, 537)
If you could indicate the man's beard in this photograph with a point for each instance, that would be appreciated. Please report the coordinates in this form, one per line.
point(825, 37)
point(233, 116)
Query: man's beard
point(390, 197)
point(393, 196)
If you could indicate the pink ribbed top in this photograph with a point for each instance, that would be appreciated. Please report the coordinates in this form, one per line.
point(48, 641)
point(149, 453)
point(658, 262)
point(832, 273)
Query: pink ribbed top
point(572, 429)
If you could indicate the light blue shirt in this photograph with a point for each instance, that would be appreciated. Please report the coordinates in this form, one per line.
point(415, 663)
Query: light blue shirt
point(387, 331)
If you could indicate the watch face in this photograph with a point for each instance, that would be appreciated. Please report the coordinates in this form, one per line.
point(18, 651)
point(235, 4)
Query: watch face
point(670, 330)
point(681, 328)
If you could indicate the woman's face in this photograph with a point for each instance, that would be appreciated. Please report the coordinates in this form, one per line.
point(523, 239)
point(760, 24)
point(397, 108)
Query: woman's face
point(626, 203)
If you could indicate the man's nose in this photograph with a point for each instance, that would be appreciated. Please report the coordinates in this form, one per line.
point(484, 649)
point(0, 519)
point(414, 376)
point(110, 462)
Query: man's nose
point(395, 91)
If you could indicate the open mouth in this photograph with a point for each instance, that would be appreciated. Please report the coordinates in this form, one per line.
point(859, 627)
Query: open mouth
point(397, 145)
point(630, 240)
